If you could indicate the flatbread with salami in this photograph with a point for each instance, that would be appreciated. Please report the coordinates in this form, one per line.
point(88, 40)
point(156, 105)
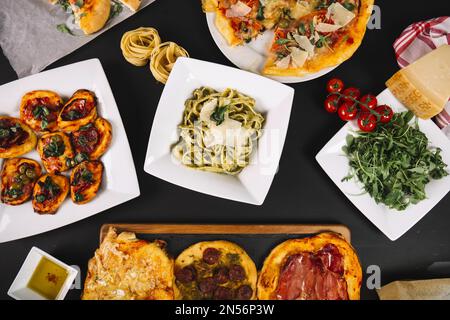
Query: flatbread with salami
point(219, 270)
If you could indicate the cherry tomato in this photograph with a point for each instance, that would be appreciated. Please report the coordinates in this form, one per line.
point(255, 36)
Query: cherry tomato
point(369, 101)
point(348, 111)
point(367, 122)
point(332, 103)
point(351, 92)
point(385, 112)
point(335, 85)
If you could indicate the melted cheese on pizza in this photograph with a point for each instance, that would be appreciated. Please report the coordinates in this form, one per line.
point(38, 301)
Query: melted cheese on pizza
point(125, 268)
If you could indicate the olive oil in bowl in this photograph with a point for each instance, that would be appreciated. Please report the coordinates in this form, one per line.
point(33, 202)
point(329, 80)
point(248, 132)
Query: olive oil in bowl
point(47, 279)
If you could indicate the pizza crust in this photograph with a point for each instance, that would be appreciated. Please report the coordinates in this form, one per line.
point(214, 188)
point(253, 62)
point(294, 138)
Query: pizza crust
point(224, 26)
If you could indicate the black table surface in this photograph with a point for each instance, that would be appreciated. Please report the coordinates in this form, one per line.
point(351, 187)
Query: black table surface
point(301, 192)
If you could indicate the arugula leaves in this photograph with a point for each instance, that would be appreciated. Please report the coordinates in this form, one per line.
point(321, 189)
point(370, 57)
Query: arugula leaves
point(394, 163)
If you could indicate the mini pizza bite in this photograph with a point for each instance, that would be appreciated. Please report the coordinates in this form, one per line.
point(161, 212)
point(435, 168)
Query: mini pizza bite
point(49, 193)
point(92, 139)
point(126, 268)
point(323, 267)
point(39, 109)
point(55, 151)
point(18, 177)
point(16, 138)
point(85, 180)
point(215, 270)
point(80, 110)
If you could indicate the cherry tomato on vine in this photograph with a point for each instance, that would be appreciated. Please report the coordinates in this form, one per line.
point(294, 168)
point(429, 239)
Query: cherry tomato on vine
point(385, 112)
point(332, 103)
point(367, 122)
point(335, 85)
point(369, 101)
point(350, 94)
point(348, 111)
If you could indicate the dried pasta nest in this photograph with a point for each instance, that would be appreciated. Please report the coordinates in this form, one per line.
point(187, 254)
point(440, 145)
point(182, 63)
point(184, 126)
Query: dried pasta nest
point(137, 45)
point(163, 59)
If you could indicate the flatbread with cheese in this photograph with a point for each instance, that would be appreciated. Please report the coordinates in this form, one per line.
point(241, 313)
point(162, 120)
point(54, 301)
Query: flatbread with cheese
point(126, 268)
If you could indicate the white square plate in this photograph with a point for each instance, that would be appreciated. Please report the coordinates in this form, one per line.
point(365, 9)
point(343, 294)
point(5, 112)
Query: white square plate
point(19, 288)
point(120, 182)
point(391, 222)
point(273, 100)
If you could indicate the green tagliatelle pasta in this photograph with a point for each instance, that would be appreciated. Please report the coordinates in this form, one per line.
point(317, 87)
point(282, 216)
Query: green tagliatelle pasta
point(231, 113)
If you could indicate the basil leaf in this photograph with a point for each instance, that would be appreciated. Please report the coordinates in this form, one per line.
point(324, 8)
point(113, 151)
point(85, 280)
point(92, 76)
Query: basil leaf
point(260, 13)
point(79, 197)
point(219, 115)
point(302, 29)
point(55, 148)
point(349, 6)
point(282, 41)
point(116, 9)
point(63, 28)
point(40, 198)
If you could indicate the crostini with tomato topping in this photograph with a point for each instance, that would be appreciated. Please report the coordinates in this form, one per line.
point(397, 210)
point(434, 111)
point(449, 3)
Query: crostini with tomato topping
point(16, 138)
point(80, 110)
point(49, 193)
point(92, 139)
point(55, 151)
point(85, 181)
point(39, 109)
point(18, 177)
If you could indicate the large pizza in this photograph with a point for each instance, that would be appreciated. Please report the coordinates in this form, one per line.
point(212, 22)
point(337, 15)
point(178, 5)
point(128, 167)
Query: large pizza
point(309, 35)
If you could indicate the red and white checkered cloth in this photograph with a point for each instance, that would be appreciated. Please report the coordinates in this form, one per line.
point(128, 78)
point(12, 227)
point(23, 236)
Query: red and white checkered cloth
point(419, 39)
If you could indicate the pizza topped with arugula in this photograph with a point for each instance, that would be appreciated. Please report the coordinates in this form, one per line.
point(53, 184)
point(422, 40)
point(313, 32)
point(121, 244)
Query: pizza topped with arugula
point(309, 35)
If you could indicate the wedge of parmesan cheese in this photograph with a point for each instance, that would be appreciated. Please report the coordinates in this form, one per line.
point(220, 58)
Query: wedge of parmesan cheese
point(327, 27)
point(305, 44)
point(239, 9)
point(339, 14)
point(298, 56)
point(283, 63)
point(424, 86)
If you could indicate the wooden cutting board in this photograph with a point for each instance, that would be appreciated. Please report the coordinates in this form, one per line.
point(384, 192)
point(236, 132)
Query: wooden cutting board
point(220, 229)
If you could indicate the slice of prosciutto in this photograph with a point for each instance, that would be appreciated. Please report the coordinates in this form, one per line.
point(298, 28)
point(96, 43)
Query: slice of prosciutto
point(313, 276)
